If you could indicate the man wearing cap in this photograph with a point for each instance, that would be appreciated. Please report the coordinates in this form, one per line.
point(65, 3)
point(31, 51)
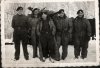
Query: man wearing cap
point(82, 33)
point(63, 32)
point(20, 26)
point(33, 19)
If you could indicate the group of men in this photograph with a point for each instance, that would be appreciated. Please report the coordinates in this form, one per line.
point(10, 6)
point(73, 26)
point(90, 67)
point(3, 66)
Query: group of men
point(49, 31)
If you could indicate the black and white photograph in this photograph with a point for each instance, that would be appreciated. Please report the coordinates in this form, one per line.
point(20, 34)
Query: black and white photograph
point(50, 33)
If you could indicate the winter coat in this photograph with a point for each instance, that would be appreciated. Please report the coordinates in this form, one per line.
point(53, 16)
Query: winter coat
point(51, 24)
point(82, 29)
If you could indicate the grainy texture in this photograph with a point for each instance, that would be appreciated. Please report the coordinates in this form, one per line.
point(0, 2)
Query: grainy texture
point(70, 10)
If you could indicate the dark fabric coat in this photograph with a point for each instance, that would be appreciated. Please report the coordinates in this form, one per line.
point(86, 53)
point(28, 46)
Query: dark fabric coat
point(63, 35)
point(20, 24)
point(20, 21)
point(82, 28)
point(51, 24)
point(82, 33)
point(63, 24)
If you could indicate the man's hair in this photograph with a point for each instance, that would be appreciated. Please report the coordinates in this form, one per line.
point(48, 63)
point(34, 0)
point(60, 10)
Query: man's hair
point(19, 8)
point(61, 10)
point(80, 11)
point(34, 11)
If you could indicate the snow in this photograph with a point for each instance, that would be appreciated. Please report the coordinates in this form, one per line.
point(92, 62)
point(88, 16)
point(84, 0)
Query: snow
point(9, 56)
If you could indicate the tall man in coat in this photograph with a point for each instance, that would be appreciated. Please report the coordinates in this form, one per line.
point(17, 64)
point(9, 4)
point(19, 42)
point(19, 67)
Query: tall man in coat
point(20, 26)
point(82, 33)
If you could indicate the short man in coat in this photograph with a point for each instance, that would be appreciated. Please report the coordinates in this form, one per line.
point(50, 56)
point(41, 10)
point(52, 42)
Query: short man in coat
point(82, 33)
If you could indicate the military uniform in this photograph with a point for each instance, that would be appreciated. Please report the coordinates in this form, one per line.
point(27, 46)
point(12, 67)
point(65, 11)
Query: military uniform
point(63, 33)
point(20, 25)
point(46, 29)
point(33, 24)
point(82, 32)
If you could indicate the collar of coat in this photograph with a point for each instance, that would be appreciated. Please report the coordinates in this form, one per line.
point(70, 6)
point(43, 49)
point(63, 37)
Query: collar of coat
point(51, 24)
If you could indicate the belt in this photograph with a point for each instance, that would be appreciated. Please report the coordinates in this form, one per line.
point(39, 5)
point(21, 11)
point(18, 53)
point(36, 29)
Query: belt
point(20, 28)
point(58, 30)
point(45, 32)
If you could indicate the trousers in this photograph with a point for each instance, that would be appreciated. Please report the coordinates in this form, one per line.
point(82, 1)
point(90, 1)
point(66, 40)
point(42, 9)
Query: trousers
point(20, 36)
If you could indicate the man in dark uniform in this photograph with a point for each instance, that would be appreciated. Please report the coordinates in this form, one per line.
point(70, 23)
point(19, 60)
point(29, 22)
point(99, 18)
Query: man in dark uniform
point(82, 33)
point(63, 32)
point(20, 26)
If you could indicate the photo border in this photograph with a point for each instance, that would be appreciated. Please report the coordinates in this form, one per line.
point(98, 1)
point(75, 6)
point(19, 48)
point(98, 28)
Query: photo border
point(51, 64)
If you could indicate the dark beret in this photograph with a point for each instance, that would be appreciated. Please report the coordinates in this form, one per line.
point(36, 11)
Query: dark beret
point(19, 8)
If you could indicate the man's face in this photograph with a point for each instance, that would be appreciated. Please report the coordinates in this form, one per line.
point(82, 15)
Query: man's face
point(61, 14)
point(80, 14)
point(44, 16)
point(20, 12)
point(36, 12)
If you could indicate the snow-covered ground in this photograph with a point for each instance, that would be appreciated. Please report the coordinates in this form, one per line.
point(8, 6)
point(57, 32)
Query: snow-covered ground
point(9, 56)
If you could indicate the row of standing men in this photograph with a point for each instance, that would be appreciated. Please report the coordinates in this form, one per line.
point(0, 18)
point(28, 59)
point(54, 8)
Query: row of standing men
point(49, 32)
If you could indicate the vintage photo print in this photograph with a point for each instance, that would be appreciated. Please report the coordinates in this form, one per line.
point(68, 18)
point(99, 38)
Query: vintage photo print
point(50, 33)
